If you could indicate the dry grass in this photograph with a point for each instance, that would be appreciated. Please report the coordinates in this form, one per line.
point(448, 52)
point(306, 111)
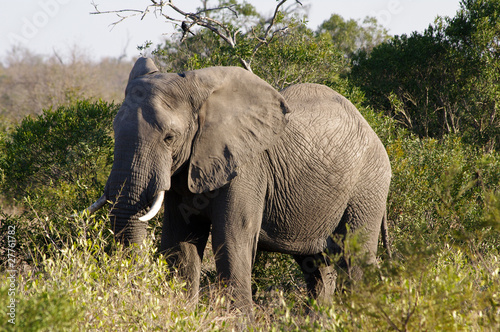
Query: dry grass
point(88, 283)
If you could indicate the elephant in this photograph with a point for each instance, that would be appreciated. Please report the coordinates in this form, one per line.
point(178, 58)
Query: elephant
point(228, 155)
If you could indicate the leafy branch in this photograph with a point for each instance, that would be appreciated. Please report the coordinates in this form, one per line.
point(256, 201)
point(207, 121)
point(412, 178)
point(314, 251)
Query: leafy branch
point(202, 19)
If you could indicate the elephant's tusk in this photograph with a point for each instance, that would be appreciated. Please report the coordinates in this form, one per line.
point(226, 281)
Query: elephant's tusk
point(94, 207)
point(155, 207)
point(97, 205)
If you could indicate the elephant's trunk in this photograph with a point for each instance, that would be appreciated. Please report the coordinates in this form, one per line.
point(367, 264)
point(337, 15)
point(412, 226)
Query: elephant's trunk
point(126, 205)
point(137, 181)
point(126, 225)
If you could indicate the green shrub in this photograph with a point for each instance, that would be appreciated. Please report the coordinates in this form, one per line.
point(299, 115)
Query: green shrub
point(51, 165)
point(42, 310)
point(443, 292)
point(65, 153)
point(440, 192)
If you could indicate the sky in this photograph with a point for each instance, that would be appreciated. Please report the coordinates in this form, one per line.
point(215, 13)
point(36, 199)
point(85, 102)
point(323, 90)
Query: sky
point(61, 26)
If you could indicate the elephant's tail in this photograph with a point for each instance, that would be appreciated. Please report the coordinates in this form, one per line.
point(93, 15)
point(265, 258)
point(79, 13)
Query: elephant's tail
point(385, 236)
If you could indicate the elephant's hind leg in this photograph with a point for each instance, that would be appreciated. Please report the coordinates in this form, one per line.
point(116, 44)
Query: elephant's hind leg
point(359, 232)
point(320, 276)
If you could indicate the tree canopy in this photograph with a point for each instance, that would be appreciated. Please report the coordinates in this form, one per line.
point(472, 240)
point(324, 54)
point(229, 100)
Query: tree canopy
point(292, 53)
point(350, 36)
point(444, 80)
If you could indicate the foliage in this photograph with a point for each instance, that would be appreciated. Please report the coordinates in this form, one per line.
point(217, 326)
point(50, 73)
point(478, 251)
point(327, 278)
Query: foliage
point(445, 80)
point(438, 293)
point(88, 282)
point(197, 51)
point(222, 23)
point(43, 310)
point(298, 56)
point(68, 145)
point(295, 55)
point(350, 36)
point(399, 77)
point(55, 163)
point(441, 193)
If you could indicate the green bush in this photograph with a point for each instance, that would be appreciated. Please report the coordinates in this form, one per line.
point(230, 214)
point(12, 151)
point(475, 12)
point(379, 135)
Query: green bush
point(440, 192)
point(42, 310)
point(443, 292)
point(51, 165)
point(65, 153)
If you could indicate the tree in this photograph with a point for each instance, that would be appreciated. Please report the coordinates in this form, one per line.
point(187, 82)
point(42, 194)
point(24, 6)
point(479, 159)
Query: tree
point(474, 37)
point(401, 76)
point(444, 80)
point(221, 26)
point(297, 56)
point(350, 35)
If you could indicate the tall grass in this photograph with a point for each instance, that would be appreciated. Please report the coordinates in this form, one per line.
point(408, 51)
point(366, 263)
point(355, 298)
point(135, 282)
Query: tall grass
point(90, 283)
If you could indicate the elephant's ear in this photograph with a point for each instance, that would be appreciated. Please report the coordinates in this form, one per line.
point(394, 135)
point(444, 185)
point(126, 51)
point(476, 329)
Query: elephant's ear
point(143, 66)
point(241, 117)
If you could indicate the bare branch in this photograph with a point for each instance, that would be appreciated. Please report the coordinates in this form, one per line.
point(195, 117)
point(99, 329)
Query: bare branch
point(200, 18)
point(273, 20)
point(206, 22)
point(219, 8)
point(132, 12)
point(264, 40)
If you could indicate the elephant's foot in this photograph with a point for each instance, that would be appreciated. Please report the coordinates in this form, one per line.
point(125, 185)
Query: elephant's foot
point(325, 284)
point(320, 276)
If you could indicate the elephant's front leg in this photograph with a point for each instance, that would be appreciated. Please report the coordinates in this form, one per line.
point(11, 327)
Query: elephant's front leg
point(235, 232)
point(184, 239)
point(234, 258)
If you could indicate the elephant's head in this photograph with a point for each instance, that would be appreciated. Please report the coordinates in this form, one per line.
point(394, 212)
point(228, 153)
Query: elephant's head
point(206, 122)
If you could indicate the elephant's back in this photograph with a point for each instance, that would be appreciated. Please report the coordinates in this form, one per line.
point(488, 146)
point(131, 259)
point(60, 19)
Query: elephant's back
point(328, 120)
point(305, 93)
point(309, 101)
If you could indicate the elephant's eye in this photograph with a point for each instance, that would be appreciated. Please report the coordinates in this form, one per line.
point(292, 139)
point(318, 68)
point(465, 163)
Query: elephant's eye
point(169, 138)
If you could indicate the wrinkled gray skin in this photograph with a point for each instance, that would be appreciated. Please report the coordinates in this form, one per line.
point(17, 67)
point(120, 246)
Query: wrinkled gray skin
point(260, 169)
